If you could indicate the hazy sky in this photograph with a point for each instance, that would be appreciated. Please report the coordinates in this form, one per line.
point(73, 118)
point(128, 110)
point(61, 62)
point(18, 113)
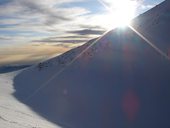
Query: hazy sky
point(33, 29)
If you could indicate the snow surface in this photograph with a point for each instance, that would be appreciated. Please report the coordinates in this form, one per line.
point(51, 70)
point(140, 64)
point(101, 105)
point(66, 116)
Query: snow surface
point(115, 81)
point(14, 114)
point(155, 25)
point(120, 81)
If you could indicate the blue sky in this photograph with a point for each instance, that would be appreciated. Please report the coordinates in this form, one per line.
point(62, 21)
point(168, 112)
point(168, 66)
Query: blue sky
point(54, 22)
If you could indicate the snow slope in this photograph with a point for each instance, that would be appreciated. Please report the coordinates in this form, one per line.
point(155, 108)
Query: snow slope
point(116, 81)
point(14, 114)
point(120, 81)
point(155, 25)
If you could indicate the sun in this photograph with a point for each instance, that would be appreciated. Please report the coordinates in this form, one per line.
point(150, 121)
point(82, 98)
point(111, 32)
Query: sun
point(121, 12)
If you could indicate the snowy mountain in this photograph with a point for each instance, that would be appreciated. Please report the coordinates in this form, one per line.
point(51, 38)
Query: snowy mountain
point(119, 80)
point(155, 25)
point(11, 68)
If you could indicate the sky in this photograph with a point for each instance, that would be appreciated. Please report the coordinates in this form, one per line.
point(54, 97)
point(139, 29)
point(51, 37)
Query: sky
point(33, 30)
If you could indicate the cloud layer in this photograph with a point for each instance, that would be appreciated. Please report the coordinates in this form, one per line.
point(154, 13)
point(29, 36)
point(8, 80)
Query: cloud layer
point(33, 18)
point(32, 53)
point(67, 22)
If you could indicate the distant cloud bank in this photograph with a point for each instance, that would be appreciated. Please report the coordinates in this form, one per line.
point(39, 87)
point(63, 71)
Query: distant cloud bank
point(67, 22)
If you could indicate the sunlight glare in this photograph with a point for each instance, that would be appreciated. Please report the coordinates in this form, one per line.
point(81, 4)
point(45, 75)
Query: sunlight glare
point(121, 12)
